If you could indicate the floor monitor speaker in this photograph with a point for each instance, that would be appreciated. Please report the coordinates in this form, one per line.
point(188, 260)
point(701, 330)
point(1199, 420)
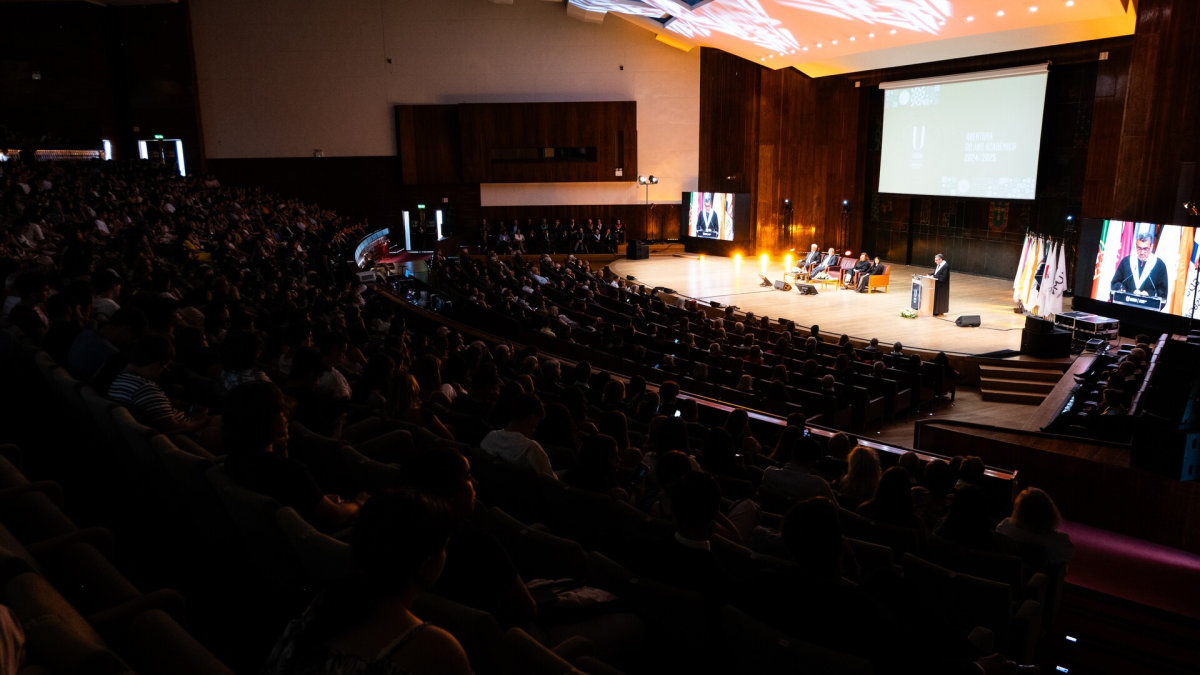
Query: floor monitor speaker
point(968, 320)
point(782, 286)
point(806, 289)
point(1053, 345)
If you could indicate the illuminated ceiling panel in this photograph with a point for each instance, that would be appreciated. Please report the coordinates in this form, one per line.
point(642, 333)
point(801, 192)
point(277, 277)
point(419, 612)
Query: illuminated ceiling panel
point(828, 37)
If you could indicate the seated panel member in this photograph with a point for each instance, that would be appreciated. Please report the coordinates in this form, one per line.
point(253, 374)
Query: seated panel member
point(830, 260)
point(876, 269)
point(813, 258)
point(860, 269)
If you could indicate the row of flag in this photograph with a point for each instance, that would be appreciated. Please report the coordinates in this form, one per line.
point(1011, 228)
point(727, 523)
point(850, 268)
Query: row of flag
point(1041, 276)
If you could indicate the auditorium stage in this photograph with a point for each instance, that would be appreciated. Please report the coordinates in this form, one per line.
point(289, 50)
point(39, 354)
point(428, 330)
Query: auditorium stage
point(861, 315)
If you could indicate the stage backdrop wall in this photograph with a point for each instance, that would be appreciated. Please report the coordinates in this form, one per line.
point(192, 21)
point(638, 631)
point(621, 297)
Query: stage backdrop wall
point(782, 135)
point(284, 79)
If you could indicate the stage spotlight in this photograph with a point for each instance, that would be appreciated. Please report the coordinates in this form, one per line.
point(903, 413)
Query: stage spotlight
point(653, 180)
point(849, 252)
point(1192, 208)
point(701, 258)
point(641, 180)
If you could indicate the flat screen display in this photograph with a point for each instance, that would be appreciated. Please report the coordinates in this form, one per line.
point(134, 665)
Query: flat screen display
point(1149, 266)
point(974, 138)
point(710, 215)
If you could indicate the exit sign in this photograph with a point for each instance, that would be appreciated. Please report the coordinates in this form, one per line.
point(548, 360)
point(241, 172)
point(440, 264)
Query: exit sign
point(420, 206)
point(158, 137)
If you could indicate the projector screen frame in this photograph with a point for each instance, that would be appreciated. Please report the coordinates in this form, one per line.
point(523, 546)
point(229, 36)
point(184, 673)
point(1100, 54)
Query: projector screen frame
point(1040, 68)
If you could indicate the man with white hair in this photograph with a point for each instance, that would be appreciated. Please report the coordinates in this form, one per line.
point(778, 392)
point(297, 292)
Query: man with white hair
point(830, 260)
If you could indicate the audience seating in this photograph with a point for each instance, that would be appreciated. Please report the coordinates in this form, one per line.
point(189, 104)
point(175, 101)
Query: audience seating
point(758, 648)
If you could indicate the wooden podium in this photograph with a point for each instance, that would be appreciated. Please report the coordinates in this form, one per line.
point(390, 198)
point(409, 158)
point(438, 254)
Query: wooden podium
point(922, 295)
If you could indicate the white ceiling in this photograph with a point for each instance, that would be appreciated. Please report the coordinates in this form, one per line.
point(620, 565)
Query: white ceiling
point(829, 37)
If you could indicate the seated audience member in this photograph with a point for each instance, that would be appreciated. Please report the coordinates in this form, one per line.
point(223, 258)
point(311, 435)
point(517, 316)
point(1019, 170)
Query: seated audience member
point(970, 472)
point(892, 503)
point(254, 434)
point(932, 497)
point(66, 323)
point(137, 388)
point(861, 479)
point(106, 284)
point(478, 571)
point(1035, 520)
point(686, 560)
point(408, 407)
point(720, 457)
point(791, 435)
point(796, 478)
point(840, 445)
point(738, 426)
point(29, 314)
point(912, 464)
point(596, 470)
point(514, 443)
point(897, 350)
point(364, 625)
point(901, 641)
point(967, 524)
point(239, 360)
point(615, 425)
point(93, 348)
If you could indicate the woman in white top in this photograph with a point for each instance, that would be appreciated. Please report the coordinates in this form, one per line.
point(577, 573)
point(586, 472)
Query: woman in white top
point(1035, 520)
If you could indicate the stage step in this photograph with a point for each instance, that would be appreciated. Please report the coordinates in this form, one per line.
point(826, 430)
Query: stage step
point(1009, 396)
point(1029, 386)
point(1007, 372)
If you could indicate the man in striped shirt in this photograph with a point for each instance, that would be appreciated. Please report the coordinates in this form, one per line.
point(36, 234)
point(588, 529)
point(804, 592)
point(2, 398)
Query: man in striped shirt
point(137, 389)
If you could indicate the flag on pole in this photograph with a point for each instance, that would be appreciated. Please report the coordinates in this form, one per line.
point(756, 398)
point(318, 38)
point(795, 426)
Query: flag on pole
point(1043, 295)
point(1060, 283)
point(1031, 288)
point(1020, 269)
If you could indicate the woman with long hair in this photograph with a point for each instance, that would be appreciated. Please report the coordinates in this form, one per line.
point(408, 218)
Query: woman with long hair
point(861, 479)
point(365, 625)
point(1035, 520)
point(892, 503)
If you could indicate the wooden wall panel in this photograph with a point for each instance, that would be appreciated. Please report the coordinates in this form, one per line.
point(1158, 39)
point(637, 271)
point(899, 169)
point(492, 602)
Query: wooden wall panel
point(729, 88)
point(1159, 129)
point(428, 141)
point(490, 126)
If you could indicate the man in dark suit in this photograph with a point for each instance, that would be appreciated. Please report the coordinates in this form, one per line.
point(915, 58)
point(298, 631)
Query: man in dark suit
point(1145, 276)
point(941, 285)
point(876, 269)
point(813, 257)
point(830, 260)
point(708, 224)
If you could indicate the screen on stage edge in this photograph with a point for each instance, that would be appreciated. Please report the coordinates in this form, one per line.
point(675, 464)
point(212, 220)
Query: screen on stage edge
point(1149, 266)
point(710, 215)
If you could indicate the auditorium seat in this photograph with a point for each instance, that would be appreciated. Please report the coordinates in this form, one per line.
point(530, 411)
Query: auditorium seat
point(900, 539)
point(757, 648)
point(536, 554)
point(253, 515)
point(324, 559)
point(880, 280)
point(969, 601)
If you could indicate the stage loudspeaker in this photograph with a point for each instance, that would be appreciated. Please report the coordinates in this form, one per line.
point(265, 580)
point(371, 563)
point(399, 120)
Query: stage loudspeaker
point(637, 250)
point(1053, 345)
point(628, 277)
point(806, 289)
point(782, 286)
point(1037, 325)
point(968, 321)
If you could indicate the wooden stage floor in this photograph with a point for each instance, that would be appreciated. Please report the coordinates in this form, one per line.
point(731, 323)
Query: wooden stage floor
point(861, 315)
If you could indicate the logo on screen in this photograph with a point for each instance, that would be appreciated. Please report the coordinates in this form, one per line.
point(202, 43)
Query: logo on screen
point(917, 145)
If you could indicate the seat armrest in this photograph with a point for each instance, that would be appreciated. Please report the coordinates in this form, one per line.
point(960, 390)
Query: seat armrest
point(98, 537)
point(574, 647)
point(1025, 629)
point(115, 620)
point(983, 638)
point(47, 487)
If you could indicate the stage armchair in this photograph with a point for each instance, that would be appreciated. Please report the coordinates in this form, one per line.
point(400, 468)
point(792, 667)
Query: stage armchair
point(844, 269)
point(880, 280)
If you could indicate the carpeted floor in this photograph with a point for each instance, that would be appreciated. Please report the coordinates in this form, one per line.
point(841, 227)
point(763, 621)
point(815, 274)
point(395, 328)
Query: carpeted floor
point(1139, 571)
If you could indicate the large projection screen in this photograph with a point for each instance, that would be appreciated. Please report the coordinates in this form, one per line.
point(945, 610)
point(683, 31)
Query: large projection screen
point(970, 135)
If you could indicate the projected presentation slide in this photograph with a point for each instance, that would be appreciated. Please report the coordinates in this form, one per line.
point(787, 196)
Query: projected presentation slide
point(710, 215)
point(975, 138)
point(1149, 266)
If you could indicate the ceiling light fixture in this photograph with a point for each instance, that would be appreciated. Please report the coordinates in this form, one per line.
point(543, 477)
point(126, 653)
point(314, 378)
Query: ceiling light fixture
point(1070, 3)
point(852, 38)
point(1033, 8)
point(770, 56)
point(941, 23)
point(970, 19)
point(818, 45)
point(806, 49)
point(835, 42)
point(1000, 13)
point(893, 31)
point(871, 35)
